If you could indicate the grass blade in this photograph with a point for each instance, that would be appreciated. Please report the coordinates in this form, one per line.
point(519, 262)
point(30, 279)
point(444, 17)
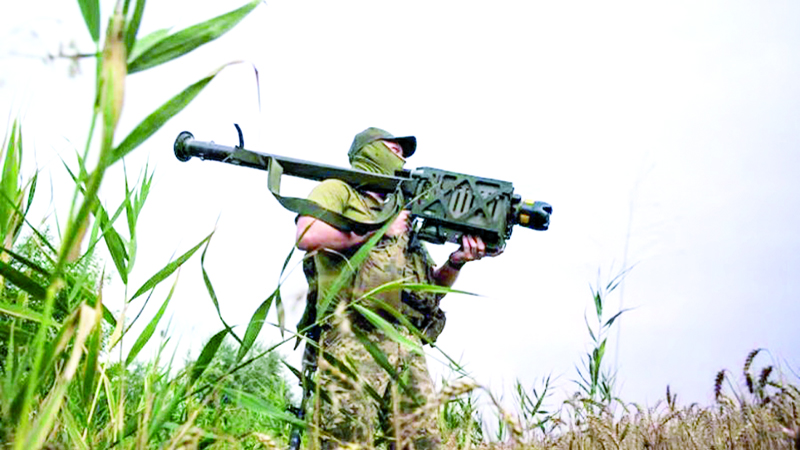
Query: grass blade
point(254, 327)
point(207, 355)
point(10, 178)
point(388, 329)
point(159, 117)
point(280, 311)
point(73, 430)
point(133, 26)
point(168, 269)
point(114, 243)
point(93, 349)
point(21, 311)
point(418, 287)
point(348, 271)
point(377, 354)
point(256, 404)
point(213, 294)
point(186, 40)
point(610, 321)
point(143, 44)
point(150, 328)
point(88, 321)
point(22, 281)
point(27, 262)
point(91, 15)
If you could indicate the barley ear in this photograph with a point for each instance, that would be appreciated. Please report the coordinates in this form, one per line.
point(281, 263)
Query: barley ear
point(718, 385)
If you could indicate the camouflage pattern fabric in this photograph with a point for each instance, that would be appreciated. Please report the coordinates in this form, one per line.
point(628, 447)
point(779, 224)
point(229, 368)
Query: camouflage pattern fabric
point(373, 383)
point(390, 260)
point(353, 379)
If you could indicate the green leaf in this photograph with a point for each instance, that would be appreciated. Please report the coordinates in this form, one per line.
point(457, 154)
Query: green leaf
point(22, 281)
point(108, 316)
point(159, 117)
point(20, 311)
point(164, 414)
point(149, 329)
point(141, 45)
point(93, 349)
point(168, 269)
point(213, 294)
point(116, 246)
point(598, 305)
point(296, 372)
point(348, 271)
point(73, 430)
point(279, 311)
point(31, 192)
point(133, 207)
point(377, 354)
point(589, 327)
point(186, 40)
point(133, 26)
point(9, 181)
point(388, 329)
point(91, 15)
point(254, 327)
point(419, 287)
point(27, 262)
point(207, 355)
point(48, 409)
point(258, 405)
point(610, 321)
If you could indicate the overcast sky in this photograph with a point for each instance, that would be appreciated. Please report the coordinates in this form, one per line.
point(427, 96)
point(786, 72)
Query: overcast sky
point(664, 135)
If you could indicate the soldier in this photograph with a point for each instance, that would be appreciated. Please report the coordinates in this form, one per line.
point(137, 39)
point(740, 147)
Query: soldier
point(352, 413)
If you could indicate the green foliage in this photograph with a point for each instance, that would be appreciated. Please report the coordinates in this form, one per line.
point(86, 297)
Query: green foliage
point(262, 380)
point(596, 382)
point(59, 382)
point(460, 421)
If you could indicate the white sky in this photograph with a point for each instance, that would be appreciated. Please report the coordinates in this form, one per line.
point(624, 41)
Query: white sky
point(670, 130)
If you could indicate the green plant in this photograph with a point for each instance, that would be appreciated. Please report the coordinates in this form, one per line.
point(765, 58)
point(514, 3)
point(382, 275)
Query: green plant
point(460, 420)
point(531, 407)
point(59, 372)
point(597, 384)
point(263, 379)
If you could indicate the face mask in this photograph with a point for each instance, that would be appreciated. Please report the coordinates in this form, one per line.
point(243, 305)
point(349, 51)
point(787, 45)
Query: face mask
point(376, 157)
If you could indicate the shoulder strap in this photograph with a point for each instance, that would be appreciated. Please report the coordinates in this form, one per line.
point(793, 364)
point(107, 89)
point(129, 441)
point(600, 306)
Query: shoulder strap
point(306, 207)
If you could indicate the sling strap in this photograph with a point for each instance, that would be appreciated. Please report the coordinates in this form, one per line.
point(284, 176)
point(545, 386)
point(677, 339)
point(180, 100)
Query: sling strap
point(305, 207)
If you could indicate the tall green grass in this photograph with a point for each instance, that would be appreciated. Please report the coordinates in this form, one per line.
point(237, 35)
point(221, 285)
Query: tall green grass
point(59, 383)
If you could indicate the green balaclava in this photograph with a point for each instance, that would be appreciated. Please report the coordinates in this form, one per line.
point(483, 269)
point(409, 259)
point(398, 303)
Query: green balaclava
point(376, 157)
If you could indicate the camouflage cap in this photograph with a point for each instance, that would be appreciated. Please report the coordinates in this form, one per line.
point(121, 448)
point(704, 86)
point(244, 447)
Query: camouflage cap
point(371, 134)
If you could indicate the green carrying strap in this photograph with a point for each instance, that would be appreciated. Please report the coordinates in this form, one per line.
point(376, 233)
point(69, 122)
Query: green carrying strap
point(305, 207)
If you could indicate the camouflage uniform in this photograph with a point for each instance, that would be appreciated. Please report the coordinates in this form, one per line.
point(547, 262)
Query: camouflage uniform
point(353, 411)
point(359, 389)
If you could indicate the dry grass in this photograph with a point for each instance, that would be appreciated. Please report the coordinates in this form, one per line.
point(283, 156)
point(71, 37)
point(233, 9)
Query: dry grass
point(761, 414)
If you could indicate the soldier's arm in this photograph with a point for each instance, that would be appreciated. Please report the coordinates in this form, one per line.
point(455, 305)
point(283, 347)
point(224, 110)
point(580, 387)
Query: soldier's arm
point(472, 249)
point(314, 234)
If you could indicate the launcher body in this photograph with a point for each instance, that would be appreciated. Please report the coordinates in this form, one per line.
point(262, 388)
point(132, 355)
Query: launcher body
point(444, 205)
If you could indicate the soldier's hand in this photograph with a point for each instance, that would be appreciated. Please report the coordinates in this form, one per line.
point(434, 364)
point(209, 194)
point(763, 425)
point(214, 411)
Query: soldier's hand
point(472, 249)
point(400, 224)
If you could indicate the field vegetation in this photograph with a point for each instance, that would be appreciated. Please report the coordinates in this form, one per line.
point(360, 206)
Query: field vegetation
point(62, 387)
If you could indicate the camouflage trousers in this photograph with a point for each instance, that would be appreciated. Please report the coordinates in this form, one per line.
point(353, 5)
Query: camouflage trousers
point(368, 399)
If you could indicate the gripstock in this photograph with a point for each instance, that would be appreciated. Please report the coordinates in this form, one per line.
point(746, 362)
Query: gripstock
point(444, 205)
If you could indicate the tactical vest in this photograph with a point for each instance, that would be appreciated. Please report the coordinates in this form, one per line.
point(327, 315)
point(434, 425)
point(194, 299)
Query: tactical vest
point(393, 258)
